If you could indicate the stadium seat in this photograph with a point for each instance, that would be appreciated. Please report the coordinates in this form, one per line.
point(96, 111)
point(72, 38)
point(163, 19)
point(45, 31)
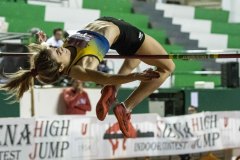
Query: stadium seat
point(123, 6)
point(17, 25)
point(226, 28)
point(21, 11)
point(135, 19)
point(24, 17)
point(211, 14)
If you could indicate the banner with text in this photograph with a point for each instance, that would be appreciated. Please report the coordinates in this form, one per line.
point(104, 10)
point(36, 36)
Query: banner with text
point(83, 137)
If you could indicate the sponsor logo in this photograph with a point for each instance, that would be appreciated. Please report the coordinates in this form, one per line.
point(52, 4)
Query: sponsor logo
point(115, 136)
point(225, 122)
point(140, 36)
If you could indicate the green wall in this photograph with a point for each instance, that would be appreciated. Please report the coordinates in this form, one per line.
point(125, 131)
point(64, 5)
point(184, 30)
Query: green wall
point(215, 99)
point(6, 109)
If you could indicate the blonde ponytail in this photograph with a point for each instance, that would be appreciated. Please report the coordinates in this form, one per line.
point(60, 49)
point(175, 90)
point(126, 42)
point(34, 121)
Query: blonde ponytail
point(43, 65)
point(19, 83)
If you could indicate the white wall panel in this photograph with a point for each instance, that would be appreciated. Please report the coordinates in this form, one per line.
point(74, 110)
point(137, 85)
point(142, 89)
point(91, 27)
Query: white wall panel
point(171, 10)
point(233, 7)
point(211, 41)
point(72, 18)
point(193, 25)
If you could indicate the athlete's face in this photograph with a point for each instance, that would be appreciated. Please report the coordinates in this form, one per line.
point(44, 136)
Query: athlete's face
point(61, 55)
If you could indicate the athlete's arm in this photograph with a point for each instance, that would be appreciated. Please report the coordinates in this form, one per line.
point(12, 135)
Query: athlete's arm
point(78, 72)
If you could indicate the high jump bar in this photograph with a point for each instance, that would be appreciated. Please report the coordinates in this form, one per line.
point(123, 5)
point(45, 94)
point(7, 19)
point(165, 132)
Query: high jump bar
point(175, 56)
point(167, 56)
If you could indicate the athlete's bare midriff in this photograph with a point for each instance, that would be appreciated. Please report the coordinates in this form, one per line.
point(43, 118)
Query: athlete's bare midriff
point(107, 29)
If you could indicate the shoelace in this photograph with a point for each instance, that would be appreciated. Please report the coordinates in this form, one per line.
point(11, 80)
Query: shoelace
point(126, 120)
point(128, 116)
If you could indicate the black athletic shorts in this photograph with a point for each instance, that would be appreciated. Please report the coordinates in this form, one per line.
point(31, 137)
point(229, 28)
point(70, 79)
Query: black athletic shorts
point(130, 38)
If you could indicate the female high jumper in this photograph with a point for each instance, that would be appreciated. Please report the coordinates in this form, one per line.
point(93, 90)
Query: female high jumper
point(80, 56)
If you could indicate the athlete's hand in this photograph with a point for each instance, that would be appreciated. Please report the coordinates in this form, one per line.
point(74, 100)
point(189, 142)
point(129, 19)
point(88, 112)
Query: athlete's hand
point(41, 37)
point(147, 75)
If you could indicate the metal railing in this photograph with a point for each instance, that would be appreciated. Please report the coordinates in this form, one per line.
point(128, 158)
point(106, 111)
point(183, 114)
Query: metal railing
point(54, 1)
point(198, 3)
point(11, 36)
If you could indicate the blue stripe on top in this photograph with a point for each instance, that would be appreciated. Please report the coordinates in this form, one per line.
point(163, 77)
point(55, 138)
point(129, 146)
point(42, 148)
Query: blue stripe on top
point(99, 39)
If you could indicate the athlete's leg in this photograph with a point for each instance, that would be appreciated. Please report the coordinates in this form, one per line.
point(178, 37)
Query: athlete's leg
point(164, 66)
point(108, 96)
